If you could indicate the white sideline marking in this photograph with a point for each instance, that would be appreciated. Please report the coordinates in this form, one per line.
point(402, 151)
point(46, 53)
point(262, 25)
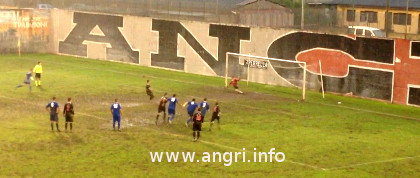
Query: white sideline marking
point(172, 134)
point(369, 111)
point(373, 162)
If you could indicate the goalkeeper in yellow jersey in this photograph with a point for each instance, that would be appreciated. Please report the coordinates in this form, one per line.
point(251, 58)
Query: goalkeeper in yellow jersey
point(38, 71)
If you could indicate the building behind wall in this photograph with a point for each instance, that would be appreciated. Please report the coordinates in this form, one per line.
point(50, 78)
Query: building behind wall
point(263, 13)
point(372, 13)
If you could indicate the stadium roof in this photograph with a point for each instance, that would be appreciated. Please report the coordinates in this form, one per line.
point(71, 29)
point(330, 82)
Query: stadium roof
point(373, 3)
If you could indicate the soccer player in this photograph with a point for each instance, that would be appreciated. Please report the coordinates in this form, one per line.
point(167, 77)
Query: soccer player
point(27, 80)
point(68, 113)
point(197, 121)
point(38, 71)
point(162, 108)
point(216, 115)
point(234, 83)
point(192, 105)
point(204, 107)
point(149, 90)
point(116, 114)
point(171, 108)
point(53, 109)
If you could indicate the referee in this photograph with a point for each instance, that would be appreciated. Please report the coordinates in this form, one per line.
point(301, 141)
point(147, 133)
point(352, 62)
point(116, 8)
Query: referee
point(38, 71)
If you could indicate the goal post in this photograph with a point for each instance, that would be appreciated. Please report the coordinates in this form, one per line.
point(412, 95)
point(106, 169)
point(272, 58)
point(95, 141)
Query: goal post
point(261, 70)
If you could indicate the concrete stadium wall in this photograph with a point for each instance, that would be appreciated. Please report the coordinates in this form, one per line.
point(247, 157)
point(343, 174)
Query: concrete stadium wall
point(375, 68)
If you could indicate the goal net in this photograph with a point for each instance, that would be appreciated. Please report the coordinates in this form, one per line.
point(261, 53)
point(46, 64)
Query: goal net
point(266, 70)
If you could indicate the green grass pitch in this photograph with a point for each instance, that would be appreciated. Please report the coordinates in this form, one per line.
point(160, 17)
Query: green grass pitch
point(321, 138)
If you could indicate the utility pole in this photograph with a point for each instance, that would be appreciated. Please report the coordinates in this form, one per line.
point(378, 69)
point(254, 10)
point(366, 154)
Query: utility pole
point(387, 20)
point(302, 18)
point(406, 20)
point(217, 7)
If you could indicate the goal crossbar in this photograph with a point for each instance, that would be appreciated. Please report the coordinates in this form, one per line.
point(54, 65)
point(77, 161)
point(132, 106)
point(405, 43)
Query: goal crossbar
point(268, 59)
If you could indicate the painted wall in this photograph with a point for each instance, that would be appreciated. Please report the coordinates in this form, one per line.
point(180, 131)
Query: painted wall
point(383, 69)
point(28, 28)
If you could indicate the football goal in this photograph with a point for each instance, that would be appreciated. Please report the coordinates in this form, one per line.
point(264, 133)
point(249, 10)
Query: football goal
point(266, 70)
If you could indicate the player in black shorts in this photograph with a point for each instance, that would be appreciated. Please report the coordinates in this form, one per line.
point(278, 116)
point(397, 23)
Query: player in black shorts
point(215, 115)
point(149, 90)
point(68, 113)
point(197, 122)
point(162, 108)
point(53, 109)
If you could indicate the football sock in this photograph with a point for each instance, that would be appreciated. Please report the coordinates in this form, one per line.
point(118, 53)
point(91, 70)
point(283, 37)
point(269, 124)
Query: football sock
point(19, 86)
point(57, 126)
point(71, 126)
point(52, 126)
point(30, 88)
point(65, 125)
point(173, 116)
point(119, 125)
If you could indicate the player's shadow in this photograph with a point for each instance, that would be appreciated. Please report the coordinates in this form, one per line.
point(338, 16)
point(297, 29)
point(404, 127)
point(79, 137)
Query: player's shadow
point(42, 88)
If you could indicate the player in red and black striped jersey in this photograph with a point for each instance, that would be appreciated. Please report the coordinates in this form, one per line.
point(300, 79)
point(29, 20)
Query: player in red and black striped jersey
point(162, 108)
point(197, 121)
point(68, 113)
point(149, 91)
point(215, 115)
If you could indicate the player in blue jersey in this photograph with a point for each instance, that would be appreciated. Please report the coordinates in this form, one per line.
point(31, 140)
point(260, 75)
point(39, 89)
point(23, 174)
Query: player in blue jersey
point(27, 80)
point(171, 108)
point(192, 105)
point(204, 107)
point(53, 109)
point(116, 114)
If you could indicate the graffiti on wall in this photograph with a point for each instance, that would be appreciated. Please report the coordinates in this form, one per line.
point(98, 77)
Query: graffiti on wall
point(368, 67)
point(98, 28)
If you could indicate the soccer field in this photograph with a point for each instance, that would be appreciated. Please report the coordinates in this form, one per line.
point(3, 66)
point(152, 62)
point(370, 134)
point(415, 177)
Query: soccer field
point(319, 137)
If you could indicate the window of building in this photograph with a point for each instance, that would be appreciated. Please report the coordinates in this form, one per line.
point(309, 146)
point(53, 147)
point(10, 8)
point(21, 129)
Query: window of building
point(368, 33)
point(369, 16)
point(399, 19)
point(359, 31)
point(351, 15)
